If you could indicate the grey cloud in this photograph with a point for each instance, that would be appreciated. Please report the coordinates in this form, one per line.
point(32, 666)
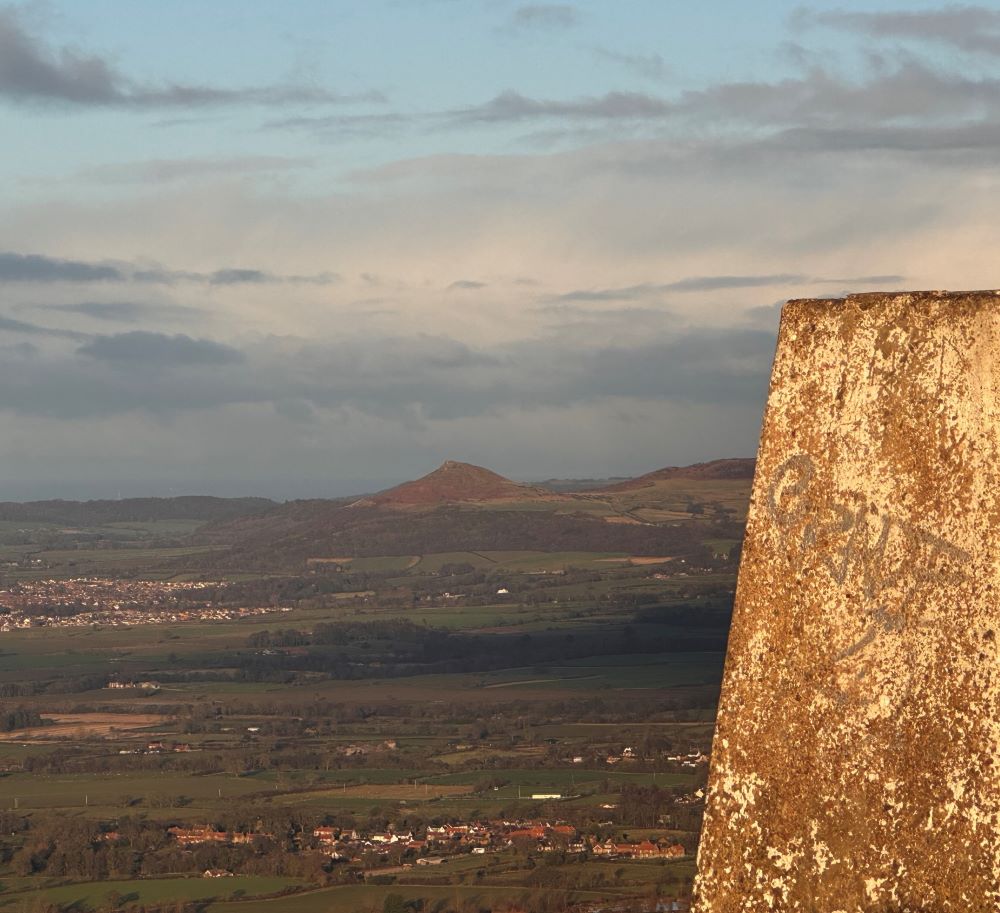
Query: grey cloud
point(31, 72)
point(121, 311)
point(978, 140)
point(700, 366)
point(909, 90)
point(714, 283)
point(908, 94)
point(20, 350)
point(258, 277)
point(470, 284)
point(11, 325)
point(269, 96)
point(646, 290)
point(38, 268)
point(16, 267)
point(545, 15)
point(910, 99)
point(513, 106)
point(694, 284)
point(144, 348)
point(102, 310)
point(898, 99)
point(231, 276)
point(507, 107)
point(166, 375)
point(238, 277)
point(403, 379)
point(628, 293)
point(975, 29)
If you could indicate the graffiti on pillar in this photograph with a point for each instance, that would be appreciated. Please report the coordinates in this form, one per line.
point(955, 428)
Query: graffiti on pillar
point(883, 561)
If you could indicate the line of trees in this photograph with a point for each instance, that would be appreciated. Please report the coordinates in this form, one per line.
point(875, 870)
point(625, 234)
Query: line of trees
point(21, 718)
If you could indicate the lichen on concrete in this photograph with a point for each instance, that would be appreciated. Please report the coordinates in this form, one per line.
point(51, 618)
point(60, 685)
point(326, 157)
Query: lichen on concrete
point(856, 764)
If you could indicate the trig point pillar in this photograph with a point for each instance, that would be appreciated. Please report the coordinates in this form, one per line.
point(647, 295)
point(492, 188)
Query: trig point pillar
point(856, 763)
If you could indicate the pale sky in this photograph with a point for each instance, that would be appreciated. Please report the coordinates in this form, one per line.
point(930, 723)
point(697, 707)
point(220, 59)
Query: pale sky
point(312, 248)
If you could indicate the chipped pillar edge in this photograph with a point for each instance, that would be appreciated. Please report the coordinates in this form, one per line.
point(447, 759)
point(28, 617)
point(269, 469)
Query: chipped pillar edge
point(742, 619)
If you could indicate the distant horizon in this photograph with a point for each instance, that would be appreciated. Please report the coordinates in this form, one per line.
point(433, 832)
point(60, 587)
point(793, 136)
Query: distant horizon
point(26, 490)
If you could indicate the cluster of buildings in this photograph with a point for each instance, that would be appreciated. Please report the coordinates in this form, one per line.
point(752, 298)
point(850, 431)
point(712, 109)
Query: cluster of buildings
point(128, 686)
point(690, 761)
point(84, 601)
point(158, 747)
point(439, 842)
point(359, 750)
point(480, 837)
point(203, 833)
point(644, 849)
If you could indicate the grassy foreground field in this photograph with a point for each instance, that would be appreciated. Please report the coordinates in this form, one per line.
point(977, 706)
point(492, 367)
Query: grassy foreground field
point(365, 898)
point(15, 896)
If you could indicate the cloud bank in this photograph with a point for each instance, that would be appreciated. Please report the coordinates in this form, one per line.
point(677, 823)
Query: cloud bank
point(544, 279)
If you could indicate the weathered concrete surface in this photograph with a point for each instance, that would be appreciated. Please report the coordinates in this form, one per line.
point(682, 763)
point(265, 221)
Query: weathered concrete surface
point(856, 764)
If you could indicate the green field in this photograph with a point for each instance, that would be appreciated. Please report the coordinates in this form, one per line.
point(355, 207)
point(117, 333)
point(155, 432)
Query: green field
point(513, 561)
point(559, 779)
point(146, 891)
point(116, 793)
point(364, 898)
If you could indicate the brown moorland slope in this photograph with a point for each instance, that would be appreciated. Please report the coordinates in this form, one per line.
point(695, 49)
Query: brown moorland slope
point(733, 468)
point(461, 507)
point(454, 482)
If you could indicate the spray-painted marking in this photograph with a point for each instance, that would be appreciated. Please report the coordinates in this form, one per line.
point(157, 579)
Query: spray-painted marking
point(886, 561)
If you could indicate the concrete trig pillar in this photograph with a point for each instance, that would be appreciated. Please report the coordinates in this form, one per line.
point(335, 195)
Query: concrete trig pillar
point(856, 763)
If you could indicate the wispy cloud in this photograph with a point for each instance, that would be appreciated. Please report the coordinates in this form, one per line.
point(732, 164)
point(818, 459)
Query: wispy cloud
point(544, 16)
point(31, 71)
point(16, 267)
point(351, 126)
point(508, 107)
point(120, 311)
point(897, 103)
point(717, 283)
point(648, 66)
point(102, 310)
point(513, 106)
point(11, 325)
point(974, 29)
